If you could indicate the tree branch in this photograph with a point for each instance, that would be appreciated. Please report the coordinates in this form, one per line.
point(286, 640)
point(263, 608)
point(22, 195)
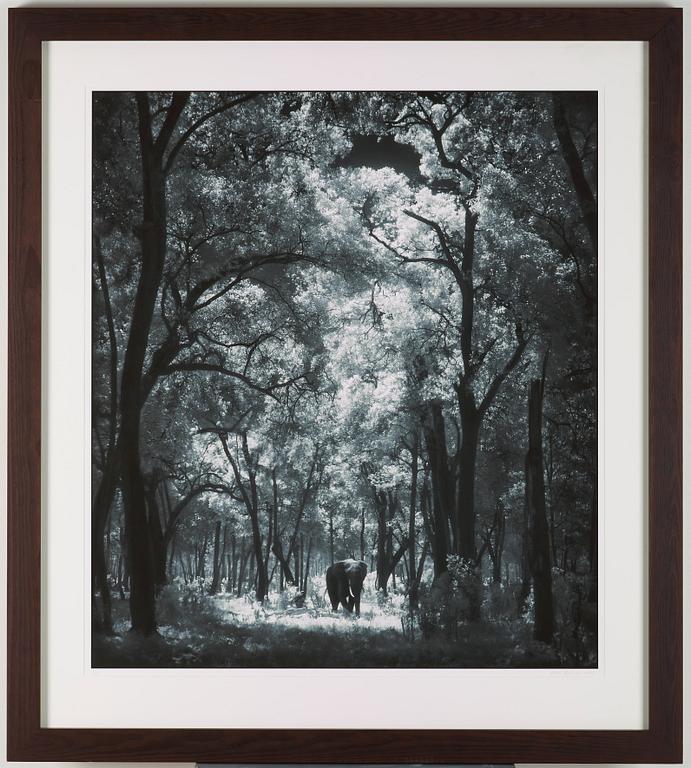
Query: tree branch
point(223, 437)
point(198, 124)
point(510, 364)
point(584, 194)
point(443, 244)
point(177, 104)
point(112, 432)
point(212, 368)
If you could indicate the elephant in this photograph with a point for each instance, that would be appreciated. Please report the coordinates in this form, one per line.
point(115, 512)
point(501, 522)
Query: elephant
point(344, 580)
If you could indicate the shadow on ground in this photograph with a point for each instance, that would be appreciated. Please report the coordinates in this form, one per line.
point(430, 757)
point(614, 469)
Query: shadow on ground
point(208, 638)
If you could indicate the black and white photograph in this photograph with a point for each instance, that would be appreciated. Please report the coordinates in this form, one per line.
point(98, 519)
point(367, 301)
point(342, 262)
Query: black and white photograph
point(344, 366)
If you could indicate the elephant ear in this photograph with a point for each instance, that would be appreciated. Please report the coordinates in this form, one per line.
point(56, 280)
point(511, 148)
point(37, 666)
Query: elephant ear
point(363, 568)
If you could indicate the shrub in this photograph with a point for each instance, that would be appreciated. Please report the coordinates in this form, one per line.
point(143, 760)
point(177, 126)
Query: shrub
point(452, 599)
point(181, 605)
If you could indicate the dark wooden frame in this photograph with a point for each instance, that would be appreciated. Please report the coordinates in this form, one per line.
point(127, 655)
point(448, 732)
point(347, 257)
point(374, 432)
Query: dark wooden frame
point(662, 741)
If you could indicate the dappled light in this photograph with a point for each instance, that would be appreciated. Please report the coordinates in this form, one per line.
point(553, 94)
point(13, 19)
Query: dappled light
point(344, 378)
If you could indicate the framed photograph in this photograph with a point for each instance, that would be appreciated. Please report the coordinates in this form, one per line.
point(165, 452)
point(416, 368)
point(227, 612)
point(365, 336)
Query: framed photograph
point(345, 385)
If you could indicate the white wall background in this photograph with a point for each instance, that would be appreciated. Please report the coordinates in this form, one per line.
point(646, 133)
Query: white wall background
point(3, 303)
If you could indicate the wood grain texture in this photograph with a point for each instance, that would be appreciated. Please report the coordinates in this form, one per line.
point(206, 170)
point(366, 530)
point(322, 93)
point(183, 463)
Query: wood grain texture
point(665, 641)
point(346, 23)
point(24, 388)
point(662, 741)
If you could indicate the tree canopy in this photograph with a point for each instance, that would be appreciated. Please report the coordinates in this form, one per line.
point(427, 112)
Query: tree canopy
point(348, 325)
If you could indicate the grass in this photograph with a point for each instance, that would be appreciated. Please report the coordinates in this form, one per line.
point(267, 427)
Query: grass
point(226, 633)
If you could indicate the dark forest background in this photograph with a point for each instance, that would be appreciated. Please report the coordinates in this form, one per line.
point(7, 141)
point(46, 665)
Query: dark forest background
point(344, 325)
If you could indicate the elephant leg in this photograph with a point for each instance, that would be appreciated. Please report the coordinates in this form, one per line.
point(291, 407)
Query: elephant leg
point(355, 582)
point(345, 598)
point(332, 589)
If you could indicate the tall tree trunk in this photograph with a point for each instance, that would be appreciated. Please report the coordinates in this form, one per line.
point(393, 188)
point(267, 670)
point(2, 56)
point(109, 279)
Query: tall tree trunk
point(392, 564)
point(380, 503)
point(421, 563)
point(306, 574)
point(270, 536)
point(301, 570)
point(171, 558)
point(465, 503)
point(500, 533)
point(253, 509)
point(201, 559)
point(218, 556)
point(233, 564)
point(101, 619)
point(119, 578)
point(362, 533)
point(584, 194)
point(250, 498)
point(142, 588)
point(158, 543)
point(310, 485)
point(153, 235)
point(442, 486)
point(540, 561)
point(593, 549)
point(526, 578)
point(223, 560)
point(261, 574)
point(459, 509)
point(100, 514)
point(182, 566)
point(252, 577)
point(424, 508)
point(287, 574)
point(244, 557)
point(331, 535)
point(101, 505)
point(412, 581)
point(230, 574)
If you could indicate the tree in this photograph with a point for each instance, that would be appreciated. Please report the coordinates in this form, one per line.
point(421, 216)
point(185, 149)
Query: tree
point(442, 122)
point(315, 316)
point(538, 531)
point(159, 155)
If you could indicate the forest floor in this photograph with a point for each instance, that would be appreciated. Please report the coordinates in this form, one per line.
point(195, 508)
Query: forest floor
point(227, 631)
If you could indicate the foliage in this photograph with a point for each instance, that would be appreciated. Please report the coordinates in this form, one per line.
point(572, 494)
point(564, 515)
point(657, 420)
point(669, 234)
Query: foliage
point(357, 290)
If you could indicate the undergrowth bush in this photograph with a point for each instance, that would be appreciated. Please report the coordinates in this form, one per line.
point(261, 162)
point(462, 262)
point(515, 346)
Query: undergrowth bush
point(184, 605)
point(575, 618)
point(452, 599)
